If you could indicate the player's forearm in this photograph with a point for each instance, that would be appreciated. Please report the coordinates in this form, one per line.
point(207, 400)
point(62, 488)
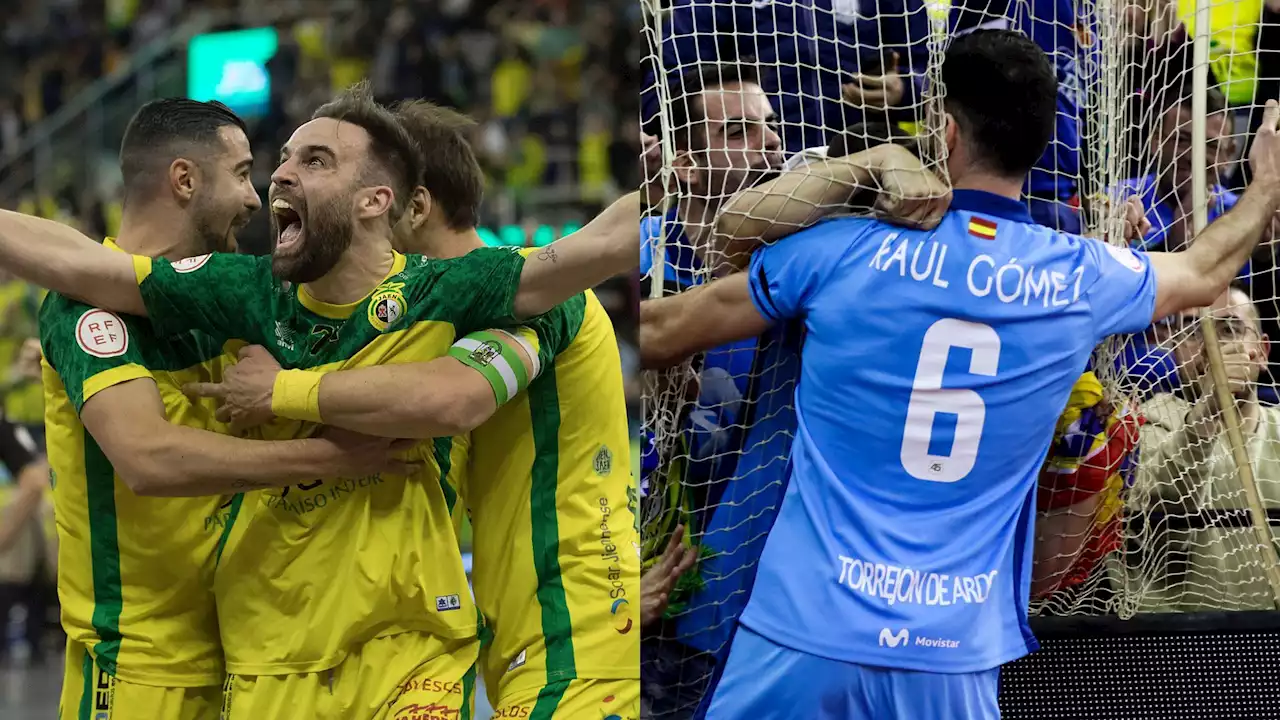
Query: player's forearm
point(700, 319)
point(417, 400)
point(61, 259)
point(794, 200)
point(606, 247)
point(187, 462)
point(1218, 253)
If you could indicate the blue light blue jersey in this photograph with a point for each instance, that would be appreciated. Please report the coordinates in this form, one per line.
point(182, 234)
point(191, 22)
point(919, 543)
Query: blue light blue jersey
point(934, 368)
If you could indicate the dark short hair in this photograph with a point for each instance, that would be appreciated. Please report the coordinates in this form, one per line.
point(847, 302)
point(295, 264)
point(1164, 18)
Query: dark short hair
point(450, 170)
point(687, 104)
point(395, 157)
point(1002, 91)
point(164, 130)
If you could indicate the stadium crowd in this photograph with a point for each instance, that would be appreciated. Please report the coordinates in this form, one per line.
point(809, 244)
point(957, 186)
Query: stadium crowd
point(747, 101)
point(555, 131)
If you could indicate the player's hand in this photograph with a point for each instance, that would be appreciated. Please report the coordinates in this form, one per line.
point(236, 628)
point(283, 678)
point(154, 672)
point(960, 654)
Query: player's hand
point(876, 91)
point(909, 193)
point(1264, 156)
point(244, 395)
point(1136, 224)
point(657, 583)
point(357, 455)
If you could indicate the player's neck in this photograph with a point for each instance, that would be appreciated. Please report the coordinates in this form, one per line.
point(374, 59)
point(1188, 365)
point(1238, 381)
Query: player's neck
point(361, 269)
point(446, 243)
point(994, 184)
point(697, 219)
point(155, 233)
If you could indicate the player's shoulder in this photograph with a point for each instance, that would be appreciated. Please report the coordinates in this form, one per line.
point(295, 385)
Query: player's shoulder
point(70, 328)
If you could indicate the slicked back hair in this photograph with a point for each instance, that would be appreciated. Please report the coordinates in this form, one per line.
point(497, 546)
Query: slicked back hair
point(395, 159)
point(164, 130)
point(450, 171)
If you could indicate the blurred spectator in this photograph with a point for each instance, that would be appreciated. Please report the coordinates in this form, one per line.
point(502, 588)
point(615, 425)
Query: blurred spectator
point(1187, 471)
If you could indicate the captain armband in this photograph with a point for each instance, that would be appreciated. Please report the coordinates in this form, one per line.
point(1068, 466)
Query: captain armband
point(497, 361)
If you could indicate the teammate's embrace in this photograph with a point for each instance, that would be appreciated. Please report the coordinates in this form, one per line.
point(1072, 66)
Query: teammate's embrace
point(136, 568)
point(895, 581)
point(340, 599)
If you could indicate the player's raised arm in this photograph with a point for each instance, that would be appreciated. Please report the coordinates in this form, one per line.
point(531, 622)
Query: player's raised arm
point(1196, 276)
point(606, 247)
point(60, 258)
point(905, 190)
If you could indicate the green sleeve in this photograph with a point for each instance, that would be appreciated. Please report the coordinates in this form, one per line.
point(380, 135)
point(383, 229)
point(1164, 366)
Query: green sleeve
point(474, 292)
point(91, 349)
point(224, 295)
point(557, 328)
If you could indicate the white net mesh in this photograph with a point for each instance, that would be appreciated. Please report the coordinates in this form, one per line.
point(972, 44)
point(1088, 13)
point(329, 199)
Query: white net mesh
point(1172, 530)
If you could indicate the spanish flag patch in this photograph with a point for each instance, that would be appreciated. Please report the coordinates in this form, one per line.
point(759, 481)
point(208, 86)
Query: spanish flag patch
point(983, 228)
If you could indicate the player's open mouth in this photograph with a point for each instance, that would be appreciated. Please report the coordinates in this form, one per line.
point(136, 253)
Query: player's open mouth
point(289, 222)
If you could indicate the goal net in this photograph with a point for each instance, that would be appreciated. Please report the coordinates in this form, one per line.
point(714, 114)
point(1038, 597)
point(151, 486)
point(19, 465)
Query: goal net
point(1148, 108)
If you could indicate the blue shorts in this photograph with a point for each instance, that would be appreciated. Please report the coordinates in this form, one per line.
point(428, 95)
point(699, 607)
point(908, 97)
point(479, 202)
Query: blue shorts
point(766, 681)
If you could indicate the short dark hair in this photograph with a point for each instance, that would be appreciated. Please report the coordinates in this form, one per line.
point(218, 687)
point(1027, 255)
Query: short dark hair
point(396, 156)
point(1002, 91)
point(687, 105)
point(450, 170)
point(164, 130)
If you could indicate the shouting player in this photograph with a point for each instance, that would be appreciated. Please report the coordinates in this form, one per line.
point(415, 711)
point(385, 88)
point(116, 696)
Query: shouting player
point(300, 640)
point(556, 570)
point(136, 567)
point(895, 581)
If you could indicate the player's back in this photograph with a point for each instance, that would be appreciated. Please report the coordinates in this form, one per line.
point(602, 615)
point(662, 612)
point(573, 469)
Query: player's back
point(555, 535)
point(134, 572)
point(934, 367)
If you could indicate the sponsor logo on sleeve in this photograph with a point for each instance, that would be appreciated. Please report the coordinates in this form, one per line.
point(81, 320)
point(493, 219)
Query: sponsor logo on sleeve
point(445, 603)
point(190, 264)
point(1125, 257)
point(102, 334)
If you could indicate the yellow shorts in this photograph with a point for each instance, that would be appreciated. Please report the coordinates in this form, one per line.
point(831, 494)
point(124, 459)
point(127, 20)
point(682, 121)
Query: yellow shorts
point(573, 700)
point(89, 693)
point(407, 677)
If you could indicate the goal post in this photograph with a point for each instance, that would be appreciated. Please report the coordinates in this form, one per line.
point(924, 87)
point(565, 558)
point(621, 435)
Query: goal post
point(1157, 101)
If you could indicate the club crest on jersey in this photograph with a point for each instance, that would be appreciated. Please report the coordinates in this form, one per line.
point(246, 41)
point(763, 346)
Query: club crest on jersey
point(190, 264)
point(386, 307)
point(603, 462)
point(102, 334)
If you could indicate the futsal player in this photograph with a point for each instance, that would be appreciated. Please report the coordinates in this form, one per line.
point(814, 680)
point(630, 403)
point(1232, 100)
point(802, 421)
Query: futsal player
point(895, 581)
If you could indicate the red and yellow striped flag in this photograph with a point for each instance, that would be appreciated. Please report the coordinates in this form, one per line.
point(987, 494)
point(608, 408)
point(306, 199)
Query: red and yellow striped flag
point(982, 227)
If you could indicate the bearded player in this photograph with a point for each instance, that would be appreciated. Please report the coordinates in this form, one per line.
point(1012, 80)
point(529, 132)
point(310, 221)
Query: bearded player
point(334, 294)
point(556, 563)
point(140, 489)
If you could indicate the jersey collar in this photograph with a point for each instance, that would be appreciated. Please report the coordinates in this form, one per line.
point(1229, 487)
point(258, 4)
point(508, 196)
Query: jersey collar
point(342, 312)
point(986, 203)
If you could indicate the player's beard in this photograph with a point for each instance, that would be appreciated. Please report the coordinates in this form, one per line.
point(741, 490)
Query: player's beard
point(328, 235)
point(211, 234)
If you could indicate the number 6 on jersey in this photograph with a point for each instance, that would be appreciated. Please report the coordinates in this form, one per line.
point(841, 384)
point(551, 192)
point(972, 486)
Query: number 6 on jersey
point(928, 398)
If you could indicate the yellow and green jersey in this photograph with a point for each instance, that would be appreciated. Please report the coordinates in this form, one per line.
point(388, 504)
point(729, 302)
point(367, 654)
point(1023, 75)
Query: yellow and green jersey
point(553, 509)
point(134, 573)
point(312, 571)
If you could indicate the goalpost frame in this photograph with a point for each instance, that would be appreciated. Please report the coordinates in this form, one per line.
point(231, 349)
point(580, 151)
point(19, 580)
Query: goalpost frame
point(1200, 219)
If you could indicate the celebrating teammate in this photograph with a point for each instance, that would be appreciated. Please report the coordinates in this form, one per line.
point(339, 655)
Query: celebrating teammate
point(914, 531)
point(136, 569)
point(334, 294)
point(556, 570)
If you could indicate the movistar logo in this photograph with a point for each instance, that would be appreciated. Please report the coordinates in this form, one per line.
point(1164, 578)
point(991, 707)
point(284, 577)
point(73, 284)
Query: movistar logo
point(893, 640)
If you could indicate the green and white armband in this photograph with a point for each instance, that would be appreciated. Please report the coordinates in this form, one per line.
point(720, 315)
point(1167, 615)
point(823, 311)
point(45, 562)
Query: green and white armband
point(498, 362)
